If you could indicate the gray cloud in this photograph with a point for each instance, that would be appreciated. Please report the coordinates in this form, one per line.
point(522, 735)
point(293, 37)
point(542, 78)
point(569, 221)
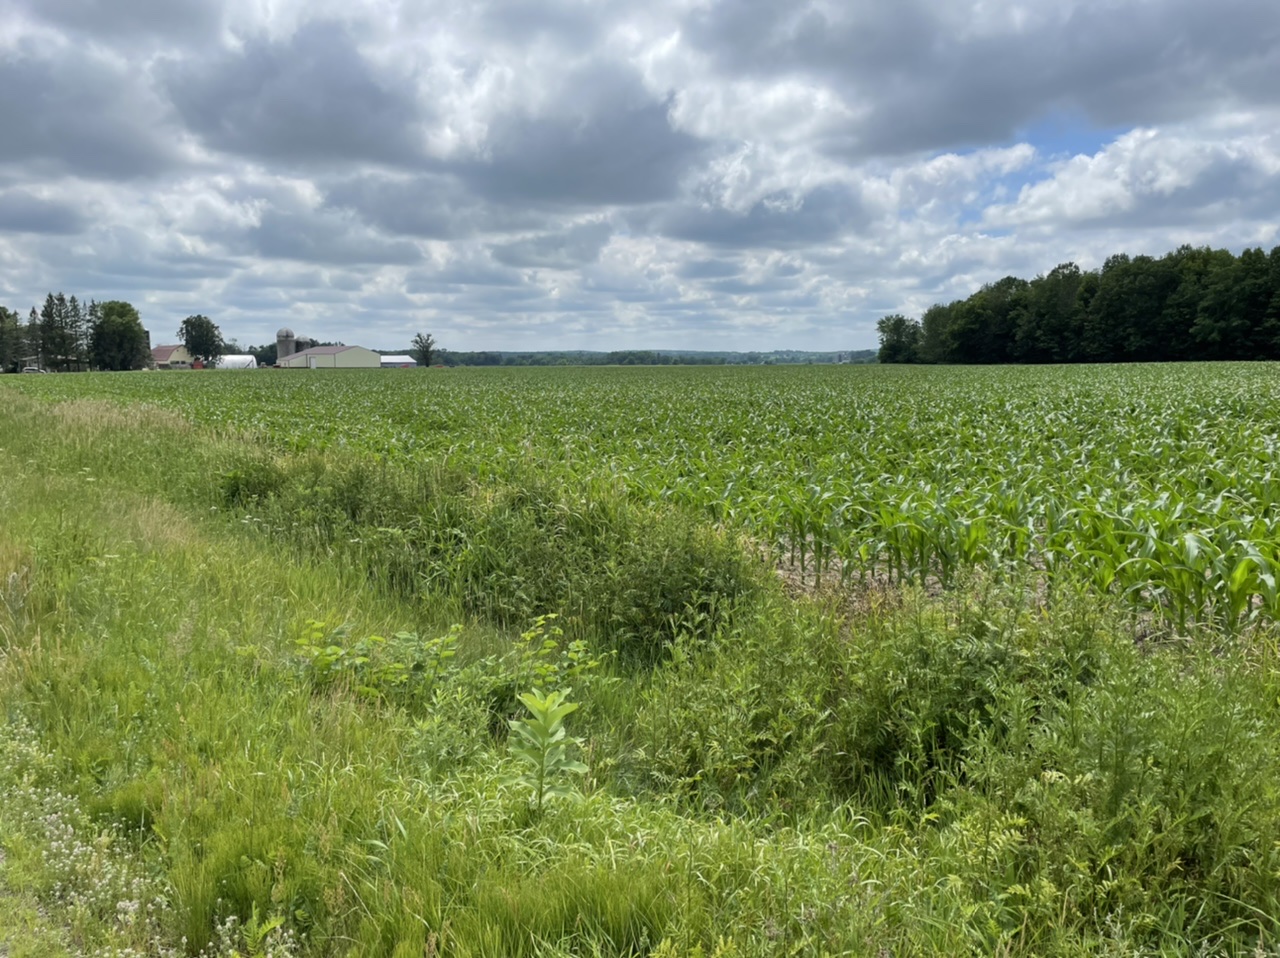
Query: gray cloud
point(71, 111)
point(775, 222)
point(568, 173)
point(22, 212)
point(129, 20)
point(572, 248)
point(709, 269)
point(318, 238)
point(928, 85)
point(312, 99)
point(435, 206)
point(607, 141)
point(476, 271)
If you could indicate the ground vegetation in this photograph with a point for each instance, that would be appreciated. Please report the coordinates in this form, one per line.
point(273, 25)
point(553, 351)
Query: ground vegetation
point(493, 663)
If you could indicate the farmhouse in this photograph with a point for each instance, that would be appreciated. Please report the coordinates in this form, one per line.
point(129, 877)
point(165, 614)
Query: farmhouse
point(171, 357)
point(332, 357)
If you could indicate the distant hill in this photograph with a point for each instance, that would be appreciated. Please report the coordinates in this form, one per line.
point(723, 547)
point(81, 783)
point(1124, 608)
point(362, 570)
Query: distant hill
point(651, 357)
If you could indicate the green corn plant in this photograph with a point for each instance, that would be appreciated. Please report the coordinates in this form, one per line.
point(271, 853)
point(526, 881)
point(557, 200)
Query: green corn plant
point(541, 744)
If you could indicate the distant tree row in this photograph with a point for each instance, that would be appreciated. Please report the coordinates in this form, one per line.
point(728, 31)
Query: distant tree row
point(627, 357)
point(1192, 303)
point(65, 336)
point(645, 357)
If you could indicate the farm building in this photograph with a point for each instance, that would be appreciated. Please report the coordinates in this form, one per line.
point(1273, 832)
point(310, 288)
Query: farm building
point(287, 344)
point(332, 357)
point(237, 362)
point(398, 362)
point(171, 357)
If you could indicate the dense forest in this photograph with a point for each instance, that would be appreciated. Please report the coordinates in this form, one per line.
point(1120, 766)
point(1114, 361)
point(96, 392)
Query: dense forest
point(1192, 303)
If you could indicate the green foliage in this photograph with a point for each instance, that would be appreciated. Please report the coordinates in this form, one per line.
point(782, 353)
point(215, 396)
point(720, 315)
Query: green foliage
point(541, 744)
point(899, 339)
point(545, 661)
point(117, 340)
point(1190, 304)
point(1072, 751)
point(12, 341)
point(202, 338)
point(253, 480)
point(404, 668)
point(624, 574)
point(423, 348)
point(628, 491)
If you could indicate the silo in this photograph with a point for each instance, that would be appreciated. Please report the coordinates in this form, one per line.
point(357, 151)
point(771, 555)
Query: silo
point(286, 343)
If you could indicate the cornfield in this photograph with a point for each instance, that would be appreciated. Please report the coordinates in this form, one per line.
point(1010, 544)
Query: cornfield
point(1159, 483)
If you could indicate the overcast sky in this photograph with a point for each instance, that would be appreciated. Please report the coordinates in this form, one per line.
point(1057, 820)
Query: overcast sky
point(552, 174)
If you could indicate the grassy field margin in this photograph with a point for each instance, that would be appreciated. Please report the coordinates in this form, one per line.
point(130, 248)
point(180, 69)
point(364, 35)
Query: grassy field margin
point(972, 775)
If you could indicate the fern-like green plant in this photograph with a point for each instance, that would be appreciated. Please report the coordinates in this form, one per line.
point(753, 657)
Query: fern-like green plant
point(256, 932)
point(541, 744)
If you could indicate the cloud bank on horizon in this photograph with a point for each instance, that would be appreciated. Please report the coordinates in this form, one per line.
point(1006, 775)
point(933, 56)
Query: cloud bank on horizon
point(598, 174)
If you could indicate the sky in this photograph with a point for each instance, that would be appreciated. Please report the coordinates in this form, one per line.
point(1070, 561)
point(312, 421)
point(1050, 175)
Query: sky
point(610, 174)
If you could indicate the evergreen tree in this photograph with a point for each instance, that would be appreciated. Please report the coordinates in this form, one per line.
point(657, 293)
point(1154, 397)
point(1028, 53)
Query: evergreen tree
point(92, 320)
point(79, 334)
point(49, 333)
point(33, 342)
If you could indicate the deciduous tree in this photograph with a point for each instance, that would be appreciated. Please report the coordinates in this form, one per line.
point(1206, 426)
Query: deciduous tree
point(10, 341)
point(423, 348)
point(118, 341)
point(899, 339)
point(202, 338)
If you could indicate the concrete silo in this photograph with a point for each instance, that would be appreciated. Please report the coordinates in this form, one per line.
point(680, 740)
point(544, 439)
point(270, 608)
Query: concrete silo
point(286, 343)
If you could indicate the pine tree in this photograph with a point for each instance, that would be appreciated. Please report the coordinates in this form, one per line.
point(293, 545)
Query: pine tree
point(93, 320)
point(79, 334)
point(33, 345)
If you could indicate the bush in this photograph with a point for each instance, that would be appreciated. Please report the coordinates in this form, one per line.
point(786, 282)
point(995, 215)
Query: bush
point(782, 707)
point(632, 577)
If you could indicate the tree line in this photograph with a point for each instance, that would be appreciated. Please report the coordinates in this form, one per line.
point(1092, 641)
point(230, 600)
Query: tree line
point(65, 335)
point(647, 357)
point(1190, 304)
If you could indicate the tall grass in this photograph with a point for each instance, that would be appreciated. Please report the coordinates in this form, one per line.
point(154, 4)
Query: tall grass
point(990, 771)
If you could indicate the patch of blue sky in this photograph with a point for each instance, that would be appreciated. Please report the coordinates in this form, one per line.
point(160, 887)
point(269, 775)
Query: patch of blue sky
point(1057, 136)
point(1062, 134)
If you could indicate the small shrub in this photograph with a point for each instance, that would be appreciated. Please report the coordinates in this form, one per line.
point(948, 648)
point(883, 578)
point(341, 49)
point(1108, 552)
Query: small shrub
point(404, 668)
point(252, 480)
